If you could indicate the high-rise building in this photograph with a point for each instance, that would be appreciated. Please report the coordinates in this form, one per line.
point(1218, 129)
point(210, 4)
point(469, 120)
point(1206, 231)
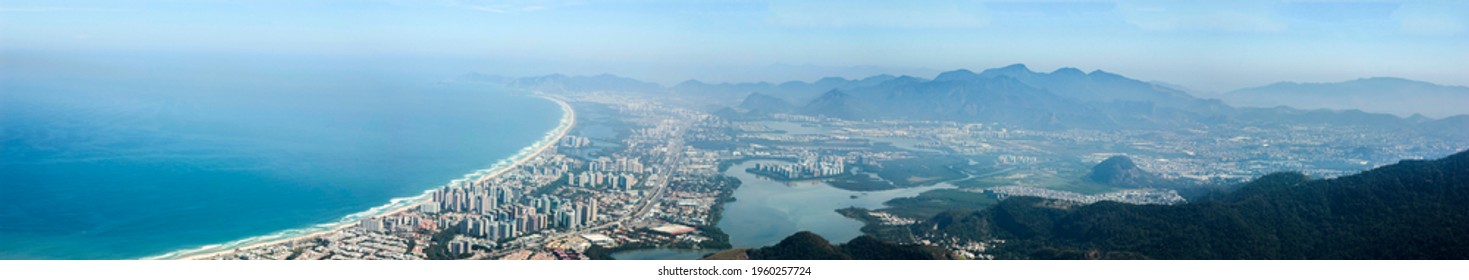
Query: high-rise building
point(506, 229)
point(460, 247)
point(429, 208)
point(586, 212)
point(372, 224)
point(565, 218)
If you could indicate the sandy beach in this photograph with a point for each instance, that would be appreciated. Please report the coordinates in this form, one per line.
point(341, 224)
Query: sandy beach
point(395, 206)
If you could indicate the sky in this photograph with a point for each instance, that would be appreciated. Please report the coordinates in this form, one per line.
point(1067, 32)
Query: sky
point(1208, 46)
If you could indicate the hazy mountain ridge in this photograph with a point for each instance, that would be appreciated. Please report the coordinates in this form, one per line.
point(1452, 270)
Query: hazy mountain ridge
point(794, 92)
point(1064, 98)
point(996, 99)
point(759, 102)
point(564, 83)
point(1396, 96)
point(1095, 86)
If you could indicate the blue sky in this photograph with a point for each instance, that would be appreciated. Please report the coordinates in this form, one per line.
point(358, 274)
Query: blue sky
point(1206, 45)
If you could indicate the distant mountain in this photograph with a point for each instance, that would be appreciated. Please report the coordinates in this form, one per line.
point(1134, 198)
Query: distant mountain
point(759, 102)
point(1180, 88)
point(1064, 98)
point(1121, 171)
point(1095, 86)
point(485, 78)
point(806, 245)
point(836, 103)
point(986, 100)
point(726, 93)
point(1410, 210)
point(604, 82)
point(1396, 96)
point(1012, 95)
point(797, 92)
point(1456, 127)
point(1282, 114)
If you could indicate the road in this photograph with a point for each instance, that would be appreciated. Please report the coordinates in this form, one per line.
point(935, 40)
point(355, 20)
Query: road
point(660, 187)
point(676, 150)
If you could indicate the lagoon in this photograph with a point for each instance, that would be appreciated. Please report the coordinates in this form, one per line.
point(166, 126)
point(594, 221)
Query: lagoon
point(766, 210)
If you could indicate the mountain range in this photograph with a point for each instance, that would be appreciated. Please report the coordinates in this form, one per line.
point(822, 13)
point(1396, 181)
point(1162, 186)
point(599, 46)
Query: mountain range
point(765, 103)
point(1396, 96)
point(1015, 95)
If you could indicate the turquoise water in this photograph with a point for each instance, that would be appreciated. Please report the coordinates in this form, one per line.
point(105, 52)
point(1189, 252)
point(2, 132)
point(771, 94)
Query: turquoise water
point(112, 158)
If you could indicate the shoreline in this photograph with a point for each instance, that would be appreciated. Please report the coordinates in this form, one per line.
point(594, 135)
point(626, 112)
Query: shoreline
point(394, 205)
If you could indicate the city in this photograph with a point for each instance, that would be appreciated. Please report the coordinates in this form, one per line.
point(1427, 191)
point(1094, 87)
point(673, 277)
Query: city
point(651, 178)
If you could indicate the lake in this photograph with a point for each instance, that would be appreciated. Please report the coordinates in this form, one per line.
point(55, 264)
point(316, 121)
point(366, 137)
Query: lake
point(766, 211)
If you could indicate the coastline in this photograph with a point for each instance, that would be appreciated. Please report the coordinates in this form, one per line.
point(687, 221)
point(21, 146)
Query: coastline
point(394, 206)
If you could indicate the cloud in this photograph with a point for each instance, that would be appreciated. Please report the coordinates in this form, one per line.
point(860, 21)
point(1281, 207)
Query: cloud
point(492, 9)
point(1432, 26)
point(1339, 12)
point(1234, 17)
point(1447, 18)
point(878, 14)
point(1051, 9)
point(512, 6)
point(59, 9)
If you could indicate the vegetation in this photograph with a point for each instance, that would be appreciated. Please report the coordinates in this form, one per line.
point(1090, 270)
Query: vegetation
point(717, 238)
point(1120, 171)
point(1409, 210)
point(872, 225)
point(439, 250)
point(930, 203)
point(733, 254)
point(920, 171)
point(597, 252)
point(861, 182)
point(296, 252)
point(552, 187)
point(809, 246)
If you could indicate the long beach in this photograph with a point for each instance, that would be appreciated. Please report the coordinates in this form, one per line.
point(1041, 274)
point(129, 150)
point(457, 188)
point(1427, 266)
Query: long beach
point(395, 206)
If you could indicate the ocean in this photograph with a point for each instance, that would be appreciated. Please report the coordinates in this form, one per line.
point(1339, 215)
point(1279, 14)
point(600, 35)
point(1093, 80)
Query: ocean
point(121, 156)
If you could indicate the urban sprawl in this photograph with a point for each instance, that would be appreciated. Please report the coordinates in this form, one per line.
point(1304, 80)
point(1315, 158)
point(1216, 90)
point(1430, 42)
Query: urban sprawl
point(655, 181)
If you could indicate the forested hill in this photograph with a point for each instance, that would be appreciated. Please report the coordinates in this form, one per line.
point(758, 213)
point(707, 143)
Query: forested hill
point(1410, 210)
point(806, 245)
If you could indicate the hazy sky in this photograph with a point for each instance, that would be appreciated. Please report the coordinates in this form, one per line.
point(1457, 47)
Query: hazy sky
point(1206, 45)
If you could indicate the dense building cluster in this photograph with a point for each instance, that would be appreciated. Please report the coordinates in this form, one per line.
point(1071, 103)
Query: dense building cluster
point(1131, 196)
point(809, 167)
point(646, 187)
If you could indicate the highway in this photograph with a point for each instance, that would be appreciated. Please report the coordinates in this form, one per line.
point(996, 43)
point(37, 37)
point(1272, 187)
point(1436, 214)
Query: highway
point(659, 185)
